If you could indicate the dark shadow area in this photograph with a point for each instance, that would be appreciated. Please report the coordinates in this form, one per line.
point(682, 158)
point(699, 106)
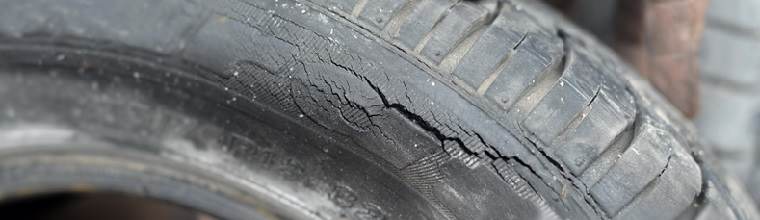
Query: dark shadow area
point(95, 206)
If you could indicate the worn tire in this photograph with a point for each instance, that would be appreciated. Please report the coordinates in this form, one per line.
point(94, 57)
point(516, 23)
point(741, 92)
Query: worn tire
point(728, 118)
point(397, 109)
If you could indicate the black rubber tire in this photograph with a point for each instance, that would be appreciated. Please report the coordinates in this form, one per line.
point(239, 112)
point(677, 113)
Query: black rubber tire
point(728, 117)
point(375, 109)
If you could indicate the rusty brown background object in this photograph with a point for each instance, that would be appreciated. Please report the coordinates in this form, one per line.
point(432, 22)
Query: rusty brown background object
point(661, 39)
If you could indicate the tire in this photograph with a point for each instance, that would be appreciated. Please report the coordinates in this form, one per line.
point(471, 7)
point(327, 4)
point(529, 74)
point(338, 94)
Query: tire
point(345, 109)
point(728, 120)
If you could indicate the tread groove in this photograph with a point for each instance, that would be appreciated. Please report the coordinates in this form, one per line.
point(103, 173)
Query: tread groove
point(578, 118)
point(609, 155)
point(465, 44)
point(499, 68)
point(358, 8)
point(529, 98)
point(720, 24)
point(451, 59)
point(394, 25)
point(650, 186)
point(421, 45)
point(494, 75)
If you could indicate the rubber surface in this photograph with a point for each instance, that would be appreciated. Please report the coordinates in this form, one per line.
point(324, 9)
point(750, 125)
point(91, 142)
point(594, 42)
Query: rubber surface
point(729, 70)
point(486, 109)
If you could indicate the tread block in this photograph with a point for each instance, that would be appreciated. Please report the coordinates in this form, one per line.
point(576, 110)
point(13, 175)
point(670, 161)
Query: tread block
point(568, 97)
point(379, 12)
point(555, 111)
point(597, 130)
point(421, 20)
point(671, 193)
point(587, 75)
point(739, 13)
point(523, 70)
point(640, 164)
point(730, 57)
point(451, 30)
point(729, 120)
point(489, 51)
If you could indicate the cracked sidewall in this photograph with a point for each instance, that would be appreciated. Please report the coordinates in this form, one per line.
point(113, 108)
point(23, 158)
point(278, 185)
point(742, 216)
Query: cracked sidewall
point(331, 113)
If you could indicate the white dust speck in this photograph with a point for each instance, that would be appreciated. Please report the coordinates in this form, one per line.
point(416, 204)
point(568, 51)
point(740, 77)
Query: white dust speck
point(323, 18)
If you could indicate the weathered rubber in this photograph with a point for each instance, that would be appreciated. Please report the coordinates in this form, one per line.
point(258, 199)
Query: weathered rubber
point(729, 71)
point(465, 101)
